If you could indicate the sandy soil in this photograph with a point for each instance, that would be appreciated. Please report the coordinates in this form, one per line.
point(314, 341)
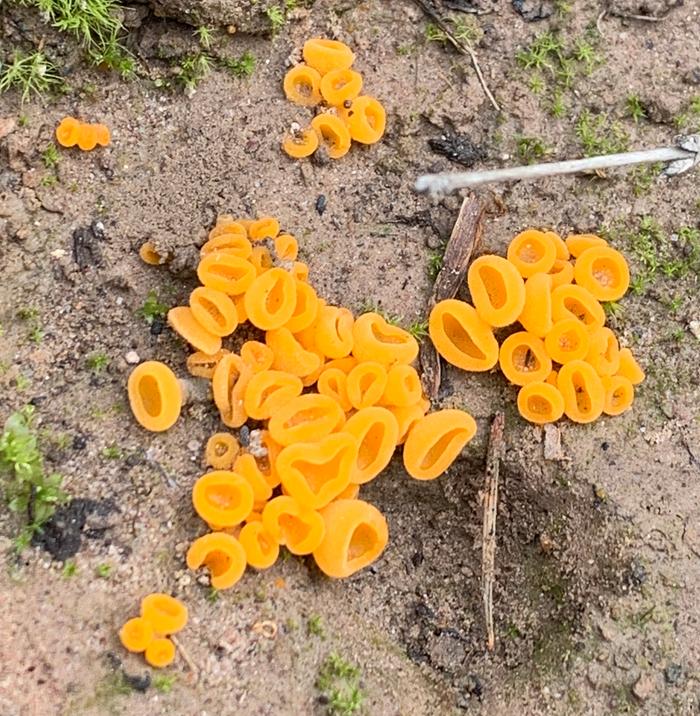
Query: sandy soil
point(598, 588)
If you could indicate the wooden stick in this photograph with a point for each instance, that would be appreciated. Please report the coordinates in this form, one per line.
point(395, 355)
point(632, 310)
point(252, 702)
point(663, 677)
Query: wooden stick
point(460, 46)
point(188, 659)
point(488, 552)
point(466, 234)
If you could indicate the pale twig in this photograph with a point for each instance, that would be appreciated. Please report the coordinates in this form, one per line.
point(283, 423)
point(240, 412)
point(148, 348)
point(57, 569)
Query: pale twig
point(462, 47)
point(686, 152)
point(188, 659)
point(464, 237)
point(488, 544)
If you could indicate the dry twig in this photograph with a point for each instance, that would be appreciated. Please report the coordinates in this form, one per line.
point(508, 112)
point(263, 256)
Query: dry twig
point(185, 655)
point(460, 47)
point(466, 234)
point(488, 544)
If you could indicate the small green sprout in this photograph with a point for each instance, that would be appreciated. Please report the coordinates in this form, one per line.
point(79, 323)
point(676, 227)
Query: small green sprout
point(103, 570)
point(530, 149)
point(339, 682)
point(557, 108)
point(213, 595)
point(29, 74)
point(276, 17)
point(193, 69)
point(164, 682)
point(22, 382)
point(435, 263)
point(70, 569)
point(204, 36)
point(97, 362)
point(314, 626)
point(28, 489)
point(50, 156)
point(240, 67)
point(152, 308)
point(419, 330)
point(598, 135)
point(112, 452)
point(635, 108)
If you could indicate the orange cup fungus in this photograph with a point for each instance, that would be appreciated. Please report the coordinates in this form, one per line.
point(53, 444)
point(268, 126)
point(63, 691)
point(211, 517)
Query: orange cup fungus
point(167, 614)
point(376, 434)
point(160, 652)
point(271, 299)
point(222, 498)
point(222, 554)
point(149, 255)
point(291, 523)
point(356, 534)
point(221, 451)
point(154, 395)
point(261, 549)
point(462, 337)
point(268, 391)
point(136, 634)
point(497, 290)
point(307, 418)
point(435, 441)
point(565, 355)
point(366, 384)
point(325, 79)
point(403, 386)
point(376, 340)
point(214, 311)
point(71, 132)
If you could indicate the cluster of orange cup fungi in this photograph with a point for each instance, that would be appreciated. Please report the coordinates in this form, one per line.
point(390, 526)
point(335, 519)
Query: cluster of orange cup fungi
point(71, 132)
point(565, 360)
point(161, 616)
point(325, 79)
point(329, 397)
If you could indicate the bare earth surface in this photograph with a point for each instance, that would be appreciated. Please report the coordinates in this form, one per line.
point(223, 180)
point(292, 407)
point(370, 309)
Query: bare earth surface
point(597, 599)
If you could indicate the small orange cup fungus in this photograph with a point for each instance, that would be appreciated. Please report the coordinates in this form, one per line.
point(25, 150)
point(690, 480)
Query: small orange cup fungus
point(333, 333)
point(376, 340)
point(334, 383)
point(222, 498)
point(68, 131)
point(261, 550)
point(203, 365)
point(307, 418)
point(305, 310)
point(462, 337)
point(247, 467)
point(136, 634)
point(154, 395)
point(268, 391)
point(376, 432)
point(403, 386)
point(300, 271)
point(300, 144)
point(406, 419)
point(316, 473)
point(583, 392)
point(532, 252)
point(302, 85)
point(160, 653)
point(326, 55)
point(356, 534)
point(332, 134)
point(571, 301)
point(290, 356)
point(239, 303)
point(227, 225)
point(629, 368)
point(523, 359)
point(604, 272)
point(366, 384)
point(497, 290)
point(264, 228)
point(221, 451)
point(366, 120)
point(223, 556)
point(290, 523)
point(604, 353)
point(286, 247)
point(567, 341)
point(183, 321)
point(149, 255)
point(540, 403)
point(235, 244)
point(619, 394)
point(257, 356)
point(261, 258)
point(214, 311)
point(271, 299)
point(343, 364)
point(340, 85)
point(561, 250)
point(536, 316)
point(578, 243)
point(167, 614)
point(435, 441)
point(561, 273)
point(228, 273)
point(228, 385)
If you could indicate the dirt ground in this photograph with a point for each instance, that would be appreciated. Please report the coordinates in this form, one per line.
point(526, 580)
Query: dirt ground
point(597, 597)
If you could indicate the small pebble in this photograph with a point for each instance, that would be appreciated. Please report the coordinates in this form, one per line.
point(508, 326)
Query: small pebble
point(321, 203)
point(643, 687)
point(132, 358)
point(673, 673)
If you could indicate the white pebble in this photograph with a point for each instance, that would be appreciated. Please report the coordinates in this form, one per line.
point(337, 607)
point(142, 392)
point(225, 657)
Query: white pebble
point(132, 358)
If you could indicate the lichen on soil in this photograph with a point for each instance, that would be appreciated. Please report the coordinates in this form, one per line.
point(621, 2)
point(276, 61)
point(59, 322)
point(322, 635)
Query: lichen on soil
point(597, 587)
